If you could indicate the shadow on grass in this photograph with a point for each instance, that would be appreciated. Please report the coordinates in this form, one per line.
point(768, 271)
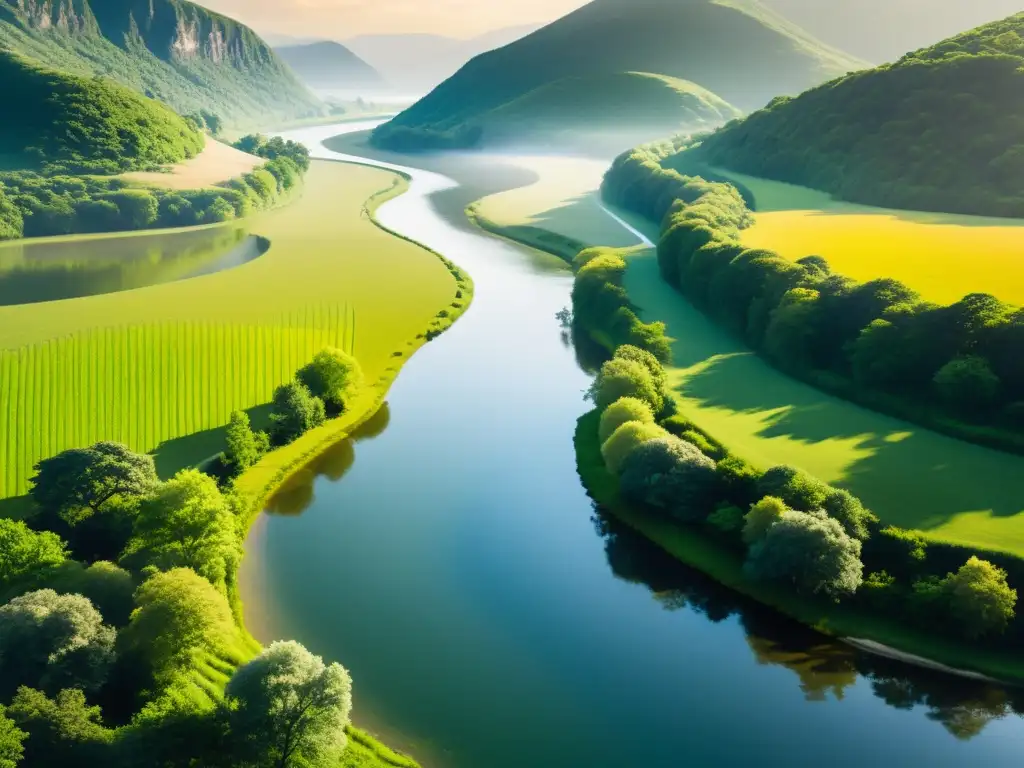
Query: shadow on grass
point(188, 451)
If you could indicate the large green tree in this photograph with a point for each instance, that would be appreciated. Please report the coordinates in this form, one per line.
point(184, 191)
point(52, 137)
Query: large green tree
point(187, 522)
point(979, 598)
point(244, 447)
point(62, 731)
point(289, 708)
point(25, 555)
point(295, 410)
point(335, 377)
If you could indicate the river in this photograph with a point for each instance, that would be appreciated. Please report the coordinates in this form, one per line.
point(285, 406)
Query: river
point(493, 618)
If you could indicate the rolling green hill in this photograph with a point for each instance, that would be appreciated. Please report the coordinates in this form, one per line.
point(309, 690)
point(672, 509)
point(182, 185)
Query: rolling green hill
point(171, 50)
point(736, 49)
point(328, 64)
point(67, 123)
point(942, 129)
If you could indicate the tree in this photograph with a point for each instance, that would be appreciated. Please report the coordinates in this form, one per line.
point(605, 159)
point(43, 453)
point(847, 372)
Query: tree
point(110, 588)
point(670, 475)
point(289, 708)
point(61, 731)
point(295, 411)
point(795, 487)
point(11, 738)
point(244, 446)
point(12, 226)
point(177, 612)
point(78, 483)
point(621, 411)
point(27, 556)
point(54, 642)
point(187, 523)
point(335, 377)
point(810, 552)
point(762, 516)
point(980, 598)
point(849, 511)
point(647, 360)
point(967, 384)
point(626, 378)
point(624, 440)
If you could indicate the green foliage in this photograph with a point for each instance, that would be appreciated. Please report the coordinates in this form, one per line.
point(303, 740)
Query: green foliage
point(68, 123)
point(727, 520)
point(289, 708)
point(843, 506)
point(275, 149)
point(244, 446)
point(26, 557)
point(967, 383)
point(624, 378)
point(335, 377)
point(621, 411)
point(625, 440)
point(884, 136)
point(178, 613)
point(76, 484)
point(109, 588)
point(54, 642)
point(187, 523)
point(63, 730)
point(669, 475)
point(295, 411)
point(809, 552)
point(12, 224)
point(11, 741)
point(980, 600)
point(761, 517)
point(797, 489)
point(738, 480)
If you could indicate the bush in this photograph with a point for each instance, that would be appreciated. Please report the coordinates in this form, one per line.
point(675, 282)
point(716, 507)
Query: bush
point(761, 517)
point(672, 476)
point(980, 600)
point(335, 377)
point(623, 410)
point(811, 553)
point(738, 481)
point(647, 360)
point(26, 557)
point(967, 384)
point(295, 411)
point(796, 488)
point(110, 588)
point(625, 378)
point(624, 440)
point(849, 511)
point(727, 520)
point(244, 447)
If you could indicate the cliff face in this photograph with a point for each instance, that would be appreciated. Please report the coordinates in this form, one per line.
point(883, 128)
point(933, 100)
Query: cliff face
point(71, 16)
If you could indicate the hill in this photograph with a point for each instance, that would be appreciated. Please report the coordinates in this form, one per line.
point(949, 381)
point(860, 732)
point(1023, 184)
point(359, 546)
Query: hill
point(942, 129)
point(327, 64)
point(86, 125)
point(171, 50)
point(884, 30)
point(415, 63)
point(736, 49)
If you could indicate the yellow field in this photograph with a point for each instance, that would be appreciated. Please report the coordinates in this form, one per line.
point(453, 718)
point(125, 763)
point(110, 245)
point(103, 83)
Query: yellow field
point(158, 363)
point(217, 162)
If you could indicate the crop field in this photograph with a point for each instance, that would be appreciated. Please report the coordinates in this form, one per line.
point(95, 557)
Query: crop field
point(217, 162)
point(151, 365)
point(942, 256)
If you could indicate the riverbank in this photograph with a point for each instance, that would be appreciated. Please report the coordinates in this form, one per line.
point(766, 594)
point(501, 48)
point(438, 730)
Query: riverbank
point(700, 550)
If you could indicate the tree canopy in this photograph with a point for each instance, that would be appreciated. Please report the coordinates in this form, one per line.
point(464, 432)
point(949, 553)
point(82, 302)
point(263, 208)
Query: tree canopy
point(334, 376)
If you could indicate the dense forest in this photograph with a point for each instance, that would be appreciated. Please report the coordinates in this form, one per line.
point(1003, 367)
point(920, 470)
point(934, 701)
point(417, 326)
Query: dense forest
point(955, 368)
point(72, 124)
point(736, 50)
point(171, 50)
point(942, 129)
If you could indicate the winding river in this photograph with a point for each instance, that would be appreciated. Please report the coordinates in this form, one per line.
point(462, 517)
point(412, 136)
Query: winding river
point(493, 618)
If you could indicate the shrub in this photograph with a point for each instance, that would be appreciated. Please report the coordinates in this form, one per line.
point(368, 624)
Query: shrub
point(738, 481)
point(625, 439)
point(647, 360)
point(625, 378)
point(967, 383)
point(796, 488)
point(761, 517)
point(623, 410)
point(810, 552)
point(979, 598)
point(670, 475)
point(335, 377)
point(27, 556)
point(63, 730)
point(727, 520)
point(295, 411)
point(110, 588)
point(244, 447)
point(848, 510)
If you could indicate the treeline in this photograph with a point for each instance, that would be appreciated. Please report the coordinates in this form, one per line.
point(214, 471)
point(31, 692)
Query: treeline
point(120, 643)
point(938, 130)
point(409, 139)
point(956, 368)
point(36, 205)
point(790, 529)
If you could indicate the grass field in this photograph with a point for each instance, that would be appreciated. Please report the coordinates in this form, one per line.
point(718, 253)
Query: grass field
point(942, 256)
point(217, 162)
point(911, 477)
point(155, 365)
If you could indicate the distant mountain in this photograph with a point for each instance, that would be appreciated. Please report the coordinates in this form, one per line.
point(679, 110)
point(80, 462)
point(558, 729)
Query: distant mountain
point(416, 63)
point(328, 64)
point(884, 30)
point(942, 129)
point(172, 50)
point(736, 49)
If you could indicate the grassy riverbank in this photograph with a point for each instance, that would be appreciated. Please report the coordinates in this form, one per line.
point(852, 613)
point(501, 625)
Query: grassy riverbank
point(702, 551)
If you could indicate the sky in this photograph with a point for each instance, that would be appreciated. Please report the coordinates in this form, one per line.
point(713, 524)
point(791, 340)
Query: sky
point(342, 19)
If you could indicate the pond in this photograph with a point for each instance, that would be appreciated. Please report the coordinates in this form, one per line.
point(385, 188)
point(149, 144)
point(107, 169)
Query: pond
point(33, 271)
point(493, 618)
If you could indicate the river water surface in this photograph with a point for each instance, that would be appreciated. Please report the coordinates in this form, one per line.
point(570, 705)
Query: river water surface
point(492, 618)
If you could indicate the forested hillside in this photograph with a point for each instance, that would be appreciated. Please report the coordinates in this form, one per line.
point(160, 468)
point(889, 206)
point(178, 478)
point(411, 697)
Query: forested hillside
point(171, 50)
point(67, 123)
point(736, 49)
point(941, 129)
point(328, 64)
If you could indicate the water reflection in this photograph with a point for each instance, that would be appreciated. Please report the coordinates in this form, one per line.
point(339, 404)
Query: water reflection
point(33, 272)
point(824, 669)
point(296, 495)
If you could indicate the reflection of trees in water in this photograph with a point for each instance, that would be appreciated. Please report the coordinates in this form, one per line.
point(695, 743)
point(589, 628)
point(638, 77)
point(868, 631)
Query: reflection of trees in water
point(297, 494)
point(962, 706)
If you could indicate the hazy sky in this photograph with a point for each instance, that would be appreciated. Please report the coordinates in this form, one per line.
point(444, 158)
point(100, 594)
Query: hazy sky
point(347, 18)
